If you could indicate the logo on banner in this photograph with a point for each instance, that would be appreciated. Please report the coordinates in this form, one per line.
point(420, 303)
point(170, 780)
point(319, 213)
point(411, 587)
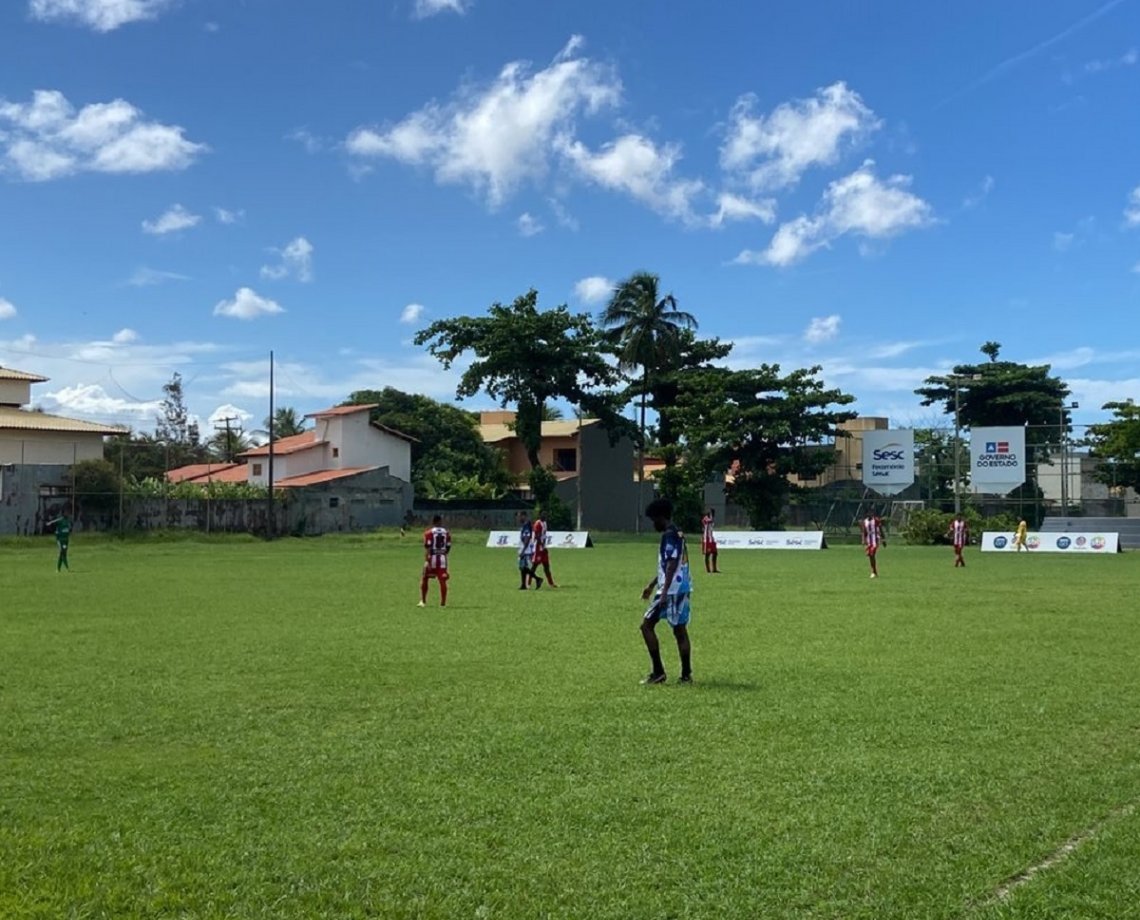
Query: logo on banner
point(1098, 542)
point(1063, 542)
point(503, 540)
point(996, 453)
point(1000, 542)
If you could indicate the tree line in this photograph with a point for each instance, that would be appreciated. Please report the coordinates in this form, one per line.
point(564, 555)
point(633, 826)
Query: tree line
point(757, 428)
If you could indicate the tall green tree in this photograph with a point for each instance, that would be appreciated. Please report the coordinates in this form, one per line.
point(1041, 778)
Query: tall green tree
point(527, 357)
point(692, 356)
point(449, 458)
point(646, 327)
point(1116, 445)
point(175, 428)
point(761, 427)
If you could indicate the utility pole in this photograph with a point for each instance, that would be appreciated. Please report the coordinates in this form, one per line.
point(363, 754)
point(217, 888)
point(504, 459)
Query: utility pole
point(228, 444)
point(269, 528)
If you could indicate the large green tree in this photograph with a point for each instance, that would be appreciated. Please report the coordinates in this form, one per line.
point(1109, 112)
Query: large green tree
point(692, 356)
point(996, 392)
point(449, 458)
point(285, 422)
point(1116, 445)
point(761, 427)
point(527, 357)
point(646, 327)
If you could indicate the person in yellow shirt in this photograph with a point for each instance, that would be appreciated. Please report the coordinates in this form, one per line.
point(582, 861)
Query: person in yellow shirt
point(1019, 536)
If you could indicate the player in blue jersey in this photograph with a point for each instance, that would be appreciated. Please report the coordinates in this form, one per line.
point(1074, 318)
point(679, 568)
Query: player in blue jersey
point(670, 590)
point(526, 553)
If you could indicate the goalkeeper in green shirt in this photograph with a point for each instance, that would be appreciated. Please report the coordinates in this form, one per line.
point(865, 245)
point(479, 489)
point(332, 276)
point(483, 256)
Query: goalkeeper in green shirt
point(62, 537)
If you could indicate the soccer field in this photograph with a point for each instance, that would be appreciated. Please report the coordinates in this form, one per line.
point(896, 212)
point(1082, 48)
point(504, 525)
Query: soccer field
point(245, 729)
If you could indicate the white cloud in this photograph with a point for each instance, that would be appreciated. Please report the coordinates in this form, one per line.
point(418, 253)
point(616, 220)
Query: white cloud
point(734, 207)
point(247, 304)
point(1063, 241)
point(823, 329)
point(493, 138)
point(174, 219)
point(93, 399)
point(226, 216)
point(100, 15)
point(426, 8)
point(529, 225)
point(772, 151)
point(564, 217)
point(1130, 58)
point(982, 193)
point(48, 139)
point(7, 309)
point(594, 289)
point(147, 277)
point(636, 166)
point(296, 261)
point(217, 418)
point(125, 337)
point(860, 204)
point(412, 313)
point(1132, 209)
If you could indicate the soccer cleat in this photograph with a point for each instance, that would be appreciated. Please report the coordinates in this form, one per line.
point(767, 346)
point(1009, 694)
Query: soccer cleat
point(653, 679)
point(874, 575)
point(537, 583)
point(421, 604)
point(686, 678)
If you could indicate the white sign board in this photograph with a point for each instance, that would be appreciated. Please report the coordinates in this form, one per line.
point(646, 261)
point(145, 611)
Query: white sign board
point(1080, 543)
point(997, 459)
point(769, 539)
point(888, 460)
point(556, 539)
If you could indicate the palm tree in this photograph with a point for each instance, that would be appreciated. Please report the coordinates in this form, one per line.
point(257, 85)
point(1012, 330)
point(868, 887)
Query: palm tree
point(286, 422)
point(646, 327)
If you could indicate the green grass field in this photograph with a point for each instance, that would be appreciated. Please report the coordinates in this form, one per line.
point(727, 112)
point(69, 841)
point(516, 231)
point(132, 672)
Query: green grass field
point(250, 730)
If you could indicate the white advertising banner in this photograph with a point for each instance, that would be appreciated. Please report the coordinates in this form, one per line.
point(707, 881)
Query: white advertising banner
point(997, 459)
point(1098, 543)
point(556, 539)
point(888, 460)
point(769, 539)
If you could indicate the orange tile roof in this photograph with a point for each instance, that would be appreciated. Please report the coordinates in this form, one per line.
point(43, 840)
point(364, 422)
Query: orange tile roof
point(194, 470)
point(289, 445)
point(343, 410)
point(312, 479)
point(239, 472)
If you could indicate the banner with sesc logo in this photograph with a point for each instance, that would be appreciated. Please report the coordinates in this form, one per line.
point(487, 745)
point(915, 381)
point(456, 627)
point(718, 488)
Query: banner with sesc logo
point(769, 539)
point(888, 460)
point(556, 539)
point(997, 459)
point(1073, 543)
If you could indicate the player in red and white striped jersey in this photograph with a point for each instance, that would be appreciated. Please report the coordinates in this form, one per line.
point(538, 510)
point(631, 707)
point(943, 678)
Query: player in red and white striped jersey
point(872, 529)
point(437, 546)
point(959, 533)
point(541, 537)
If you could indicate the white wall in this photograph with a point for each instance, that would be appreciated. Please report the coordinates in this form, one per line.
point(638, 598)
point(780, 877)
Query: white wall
point(49, 447)
point(286, 465)
point(15, 392)
point(358, 444)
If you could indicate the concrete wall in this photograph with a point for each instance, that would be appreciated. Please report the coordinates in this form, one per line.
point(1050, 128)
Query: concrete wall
point(361, 502)
point(49, 447)
point(15, 392)
point(26, 499)
point(286, 465)
point(611, 499)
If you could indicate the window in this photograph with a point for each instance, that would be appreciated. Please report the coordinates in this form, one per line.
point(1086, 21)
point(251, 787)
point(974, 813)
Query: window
point(566, 459)
point(334, 501)
point(257, 469)
point(336, 452)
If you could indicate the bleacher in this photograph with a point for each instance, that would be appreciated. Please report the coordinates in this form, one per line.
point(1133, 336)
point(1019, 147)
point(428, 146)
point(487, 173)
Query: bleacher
point(1128, 528)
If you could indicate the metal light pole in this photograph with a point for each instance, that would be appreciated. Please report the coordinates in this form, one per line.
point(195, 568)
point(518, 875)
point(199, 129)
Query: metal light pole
point(955, 381)
point(1063, 435)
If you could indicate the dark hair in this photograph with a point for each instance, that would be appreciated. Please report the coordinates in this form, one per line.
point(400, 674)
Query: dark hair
point(659, 508)
point(438, 519)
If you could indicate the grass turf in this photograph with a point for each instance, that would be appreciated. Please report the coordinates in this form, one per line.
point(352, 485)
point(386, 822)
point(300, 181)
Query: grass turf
point(250, 730)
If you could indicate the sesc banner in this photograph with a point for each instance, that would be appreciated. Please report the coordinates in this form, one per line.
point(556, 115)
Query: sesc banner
point(556, 539)
point(1073, 543)
point(997, 459)
point(888, 460)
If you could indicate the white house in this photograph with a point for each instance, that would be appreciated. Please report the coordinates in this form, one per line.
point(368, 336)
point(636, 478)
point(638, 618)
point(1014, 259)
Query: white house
point(343, 443)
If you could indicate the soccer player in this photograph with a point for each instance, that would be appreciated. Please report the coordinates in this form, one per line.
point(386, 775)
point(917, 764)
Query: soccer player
point(541, 551)
point(526, 553)
point(437, 546)
point(671, 599)
point(708, 541)
point(62, 538)
point(872, 539)
point(960, 535)
point(1019, 538)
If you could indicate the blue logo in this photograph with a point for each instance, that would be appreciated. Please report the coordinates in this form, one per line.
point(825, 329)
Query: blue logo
point(1063, 542)
point(1000, 542)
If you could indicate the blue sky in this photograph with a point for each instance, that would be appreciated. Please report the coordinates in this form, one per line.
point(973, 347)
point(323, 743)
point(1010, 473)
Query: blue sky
point(876, 188)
